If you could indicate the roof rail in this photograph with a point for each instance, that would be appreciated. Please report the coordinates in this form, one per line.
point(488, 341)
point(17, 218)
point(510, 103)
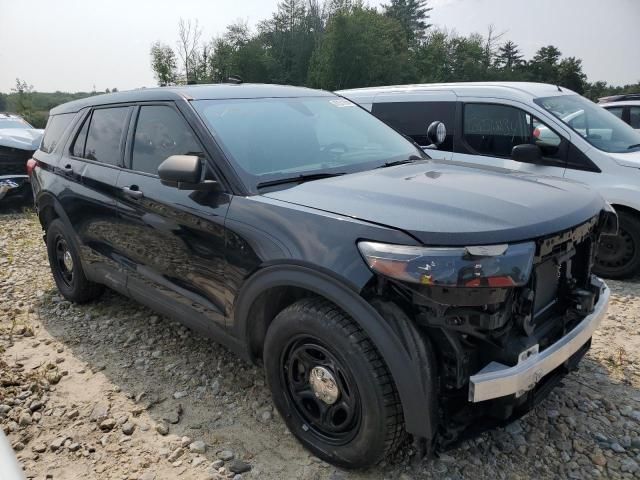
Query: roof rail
point(619, 98)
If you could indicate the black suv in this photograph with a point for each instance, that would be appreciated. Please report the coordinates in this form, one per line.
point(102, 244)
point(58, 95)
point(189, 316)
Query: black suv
point(385, 292)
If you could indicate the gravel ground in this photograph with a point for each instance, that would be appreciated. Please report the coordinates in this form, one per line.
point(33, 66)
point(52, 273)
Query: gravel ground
point(110, 390)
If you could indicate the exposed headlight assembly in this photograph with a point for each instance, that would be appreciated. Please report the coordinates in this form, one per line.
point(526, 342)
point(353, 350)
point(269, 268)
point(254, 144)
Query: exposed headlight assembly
point(495, 266)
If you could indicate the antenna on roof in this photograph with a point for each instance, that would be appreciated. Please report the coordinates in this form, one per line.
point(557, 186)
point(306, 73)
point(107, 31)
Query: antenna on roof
point(235, 79)
point(558, 87)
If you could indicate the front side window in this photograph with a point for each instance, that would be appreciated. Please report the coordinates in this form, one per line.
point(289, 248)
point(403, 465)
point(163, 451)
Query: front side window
point(592, 122)
point(104, 136)
point(271, 138)
point(494, 130)
point(56, 125)
point(413, 119)
point(161, 132)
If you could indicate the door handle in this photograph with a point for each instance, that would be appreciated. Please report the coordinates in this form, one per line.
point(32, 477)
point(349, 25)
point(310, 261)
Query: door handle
point(132, 192)
point(67, 169)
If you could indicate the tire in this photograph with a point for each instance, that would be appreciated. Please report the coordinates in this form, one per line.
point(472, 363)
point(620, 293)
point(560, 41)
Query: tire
point(619, 256)
point(363, 419)
point(66, 267)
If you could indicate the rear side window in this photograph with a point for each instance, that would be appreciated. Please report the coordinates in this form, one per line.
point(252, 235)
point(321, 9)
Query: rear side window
point(161, 132)
point(56, 125)
point(495, 129)
point(101, 136)
point(617, 111)
point(413, 119)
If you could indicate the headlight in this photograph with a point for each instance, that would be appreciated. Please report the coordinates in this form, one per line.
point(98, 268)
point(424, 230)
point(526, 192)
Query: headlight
point(480, 266)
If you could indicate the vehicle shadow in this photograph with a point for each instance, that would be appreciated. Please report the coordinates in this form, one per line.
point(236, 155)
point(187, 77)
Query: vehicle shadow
point(176, 375)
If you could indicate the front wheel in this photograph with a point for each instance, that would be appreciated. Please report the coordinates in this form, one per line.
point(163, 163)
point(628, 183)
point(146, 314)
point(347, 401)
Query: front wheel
point(331, 385)
point(619, 256)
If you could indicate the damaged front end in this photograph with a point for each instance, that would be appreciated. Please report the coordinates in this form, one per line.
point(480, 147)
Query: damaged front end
point(18, 142)
point(505, 322)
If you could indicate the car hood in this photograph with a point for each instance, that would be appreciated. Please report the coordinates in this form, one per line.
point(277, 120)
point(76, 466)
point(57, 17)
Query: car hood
point(22, 138)
point(444, 203)
point(631, 159)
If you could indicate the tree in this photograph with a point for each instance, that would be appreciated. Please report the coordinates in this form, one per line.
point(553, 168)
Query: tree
point(570, 74)
point(412, 16)
point(509, 57)
point(24, 103)
point(188, 44)
point(377, 53)
point(164, 64)
point(544, 65)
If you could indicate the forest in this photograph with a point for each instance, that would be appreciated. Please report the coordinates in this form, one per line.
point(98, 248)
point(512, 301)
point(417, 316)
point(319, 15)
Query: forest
point(335, 44)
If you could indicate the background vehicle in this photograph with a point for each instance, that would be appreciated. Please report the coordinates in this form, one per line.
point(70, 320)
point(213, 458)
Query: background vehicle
point(570, 137)
point(625, 107)
point(385, 293)
point(9, 466)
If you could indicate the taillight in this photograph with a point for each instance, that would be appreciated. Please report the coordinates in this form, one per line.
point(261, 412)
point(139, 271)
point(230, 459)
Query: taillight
point(31, 165)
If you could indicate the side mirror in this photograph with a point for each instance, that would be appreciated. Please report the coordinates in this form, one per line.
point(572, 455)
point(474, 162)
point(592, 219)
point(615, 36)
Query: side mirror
point(527, 153)
point(436, 133)
point(183, 172)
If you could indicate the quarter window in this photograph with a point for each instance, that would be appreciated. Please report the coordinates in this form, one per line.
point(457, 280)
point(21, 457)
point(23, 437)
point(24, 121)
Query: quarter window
point(104, 136)
point(495, 129)
point(161, 132)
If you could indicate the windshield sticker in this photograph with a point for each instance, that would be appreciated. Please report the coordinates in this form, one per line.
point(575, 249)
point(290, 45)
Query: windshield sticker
point(342, 102)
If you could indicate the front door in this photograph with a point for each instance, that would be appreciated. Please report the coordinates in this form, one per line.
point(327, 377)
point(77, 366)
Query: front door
point(488, 132)
point(173, 241)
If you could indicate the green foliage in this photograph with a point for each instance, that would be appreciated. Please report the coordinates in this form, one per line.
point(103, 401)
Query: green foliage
point(377, 53)
point(164, 64)
point(412, 15)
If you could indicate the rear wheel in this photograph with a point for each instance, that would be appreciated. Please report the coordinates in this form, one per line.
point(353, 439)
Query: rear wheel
point(66, 267)
point(619, 256)
point(331, 386)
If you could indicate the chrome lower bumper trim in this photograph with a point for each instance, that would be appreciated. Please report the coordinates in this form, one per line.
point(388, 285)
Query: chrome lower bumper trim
point(498, 380)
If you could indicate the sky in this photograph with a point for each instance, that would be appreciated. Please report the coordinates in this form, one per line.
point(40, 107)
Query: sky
point(76, 45)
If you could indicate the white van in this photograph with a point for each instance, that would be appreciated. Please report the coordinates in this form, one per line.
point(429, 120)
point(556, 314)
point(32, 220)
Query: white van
point(557, 133)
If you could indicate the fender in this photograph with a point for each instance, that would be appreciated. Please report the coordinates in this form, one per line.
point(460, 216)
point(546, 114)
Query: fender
point(405, 370)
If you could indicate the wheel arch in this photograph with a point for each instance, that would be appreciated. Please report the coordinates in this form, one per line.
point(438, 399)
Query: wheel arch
point(273, 288)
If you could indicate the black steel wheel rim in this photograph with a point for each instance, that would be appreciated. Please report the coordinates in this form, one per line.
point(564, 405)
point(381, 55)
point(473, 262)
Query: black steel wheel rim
point(616, 251)
point(64, 261)
point(336, 423)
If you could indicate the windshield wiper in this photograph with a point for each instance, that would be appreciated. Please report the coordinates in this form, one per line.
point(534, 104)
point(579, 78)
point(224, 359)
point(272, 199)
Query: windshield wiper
point(633, 146)
point(298, 179)
point(411, 159)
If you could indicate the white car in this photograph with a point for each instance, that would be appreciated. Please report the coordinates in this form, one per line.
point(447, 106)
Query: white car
point(625, 107)
point(538, 128)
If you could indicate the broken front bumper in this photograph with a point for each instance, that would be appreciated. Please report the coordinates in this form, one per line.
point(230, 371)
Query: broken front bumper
point(498, 380)
point(14, 185)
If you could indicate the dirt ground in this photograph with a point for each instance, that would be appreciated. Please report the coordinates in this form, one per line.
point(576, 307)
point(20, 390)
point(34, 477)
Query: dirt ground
point(110, 390)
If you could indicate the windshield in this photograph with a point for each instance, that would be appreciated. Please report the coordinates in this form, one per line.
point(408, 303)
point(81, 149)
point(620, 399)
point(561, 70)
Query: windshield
point(600, 128)
point(13, 123)
point(271, 138)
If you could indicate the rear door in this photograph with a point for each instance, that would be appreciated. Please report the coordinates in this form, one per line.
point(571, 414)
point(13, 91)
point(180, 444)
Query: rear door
point(412, 113)
point(488, 131)
point(89, 169)
point(172, 241)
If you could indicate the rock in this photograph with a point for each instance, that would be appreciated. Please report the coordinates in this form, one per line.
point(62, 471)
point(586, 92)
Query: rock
point(36, 405)
point(266, 416)
point(616, 447)
point(552, 413)
point(217, 464)
point(4, 409)
point(25, 420)
point(39, 448)
point(107, 425)
point(185, 442)
point(225, 455)
point(73, 414)
point(179, 395)
point(215, 387)
point(128, 428)
point(100, 412)
point(514, 428)
point(238, 466)
point(148, 475)
point(173, 417)
point(74, 447)
point(198, 461)
point(176, 454)
point(629, 465)
point(598, 458)
point(162, 428)
point(57, 444)
point(198, 446)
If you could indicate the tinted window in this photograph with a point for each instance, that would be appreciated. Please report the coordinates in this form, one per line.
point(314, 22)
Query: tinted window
point(80, 141)
point(105, 135)
point(495, 129)
point(634, 117)
point(160, 133)
point(413, 119)
point(56, 126)
point(617, 111)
